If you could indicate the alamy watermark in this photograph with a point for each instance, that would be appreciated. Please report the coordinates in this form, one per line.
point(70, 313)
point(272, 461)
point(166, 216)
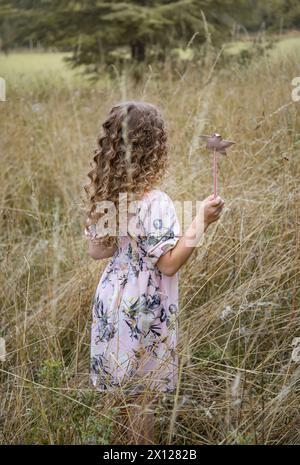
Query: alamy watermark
point(2, 350)
point(157, 221)
point(2, 90)
point(296, 91)
point(296, 350)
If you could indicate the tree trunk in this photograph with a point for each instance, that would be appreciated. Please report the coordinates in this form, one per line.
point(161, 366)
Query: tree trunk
point(138, 51)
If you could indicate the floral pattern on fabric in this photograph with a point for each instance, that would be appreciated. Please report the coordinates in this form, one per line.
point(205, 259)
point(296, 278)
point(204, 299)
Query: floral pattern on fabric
point(135, 307)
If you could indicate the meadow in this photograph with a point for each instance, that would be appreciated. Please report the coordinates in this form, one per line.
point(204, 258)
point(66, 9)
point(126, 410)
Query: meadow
point(239, 292)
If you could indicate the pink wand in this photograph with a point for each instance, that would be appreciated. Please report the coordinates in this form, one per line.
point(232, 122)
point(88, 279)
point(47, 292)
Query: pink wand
point(215, 170)
point(218, 145)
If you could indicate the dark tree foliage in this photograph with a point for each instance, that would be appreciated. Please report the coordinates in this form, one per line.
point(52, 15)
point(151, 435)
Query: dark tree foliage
point(93, 28)
point(95, 31)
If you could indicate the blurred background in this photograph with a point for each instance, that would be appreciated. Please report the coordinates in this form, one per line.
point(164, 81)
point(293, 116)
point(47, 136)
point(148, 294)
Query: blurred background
point(225, 66)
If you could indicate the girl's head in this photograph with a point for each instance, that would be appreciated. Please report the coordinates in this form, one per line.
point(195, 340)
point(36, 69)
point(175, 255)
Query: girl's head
point(131, 156)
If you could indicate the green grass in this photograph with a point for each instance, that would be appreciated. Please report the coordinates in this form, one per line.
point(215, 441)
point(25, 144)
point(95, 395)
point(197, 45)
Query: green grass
point(288, 45)
point(28, 66)
point(31, 71)
point(282, 46)
point(33, 63)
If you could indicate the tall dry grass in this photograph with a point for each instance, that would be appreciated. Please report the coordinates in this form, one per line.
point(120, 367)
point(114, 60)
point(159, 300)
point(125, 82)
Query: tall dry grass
point(239, 292)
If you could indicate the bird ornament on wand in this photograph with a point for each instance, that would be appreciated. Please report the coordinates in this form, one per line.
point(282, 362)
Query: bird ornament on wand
point(217, 144)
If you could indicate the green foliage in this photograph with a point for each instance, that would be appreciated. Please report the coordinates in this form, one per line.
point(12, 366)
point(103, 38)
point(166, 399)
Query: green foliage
point(246, 439)
point(94, 29)
point(252, 51)
point(50, 409)
point(103, 33)
point(51, 373)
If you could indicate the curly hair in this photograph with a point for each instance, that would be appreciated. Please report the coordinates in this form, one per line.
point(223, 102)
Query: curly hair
point(131, 157)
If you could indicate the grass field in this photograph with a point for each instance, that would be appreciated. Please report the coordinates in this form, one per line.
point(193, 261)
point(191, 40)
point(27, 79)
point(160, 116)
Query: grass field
point(28, 63)
point(239, 292)
point(25, 65)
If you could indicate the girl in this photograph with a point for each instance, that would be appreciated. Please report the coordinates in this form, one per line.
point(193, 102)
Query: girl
point(135, 307)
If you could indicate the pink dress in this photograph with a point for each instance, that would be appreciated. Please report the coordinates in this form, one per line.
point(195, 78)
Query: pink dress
point(135, 307)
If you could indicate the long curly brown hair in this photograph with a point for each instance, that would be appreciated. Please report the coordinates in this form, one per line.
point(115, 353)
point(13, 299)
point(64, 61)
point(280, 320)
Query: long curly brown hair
point(131, 157)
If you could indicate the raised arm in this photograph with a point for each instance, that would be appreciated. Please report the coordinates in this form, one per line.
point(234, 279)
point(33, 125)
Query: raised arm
point(171, 261)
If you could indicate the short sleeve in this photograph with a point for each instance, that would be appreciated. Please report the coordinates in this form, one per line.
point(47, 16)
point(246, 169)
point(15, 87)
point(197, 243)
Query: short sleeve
point(159, 225)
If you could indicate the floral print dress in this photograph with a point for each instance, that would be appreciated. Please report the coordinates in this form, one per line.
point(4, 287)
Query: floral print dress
point(135, 306)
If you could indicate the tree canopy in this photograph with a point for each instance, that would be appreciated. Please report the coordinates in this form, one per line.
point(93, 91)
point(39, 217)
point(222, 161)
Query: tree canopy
point(146, 29)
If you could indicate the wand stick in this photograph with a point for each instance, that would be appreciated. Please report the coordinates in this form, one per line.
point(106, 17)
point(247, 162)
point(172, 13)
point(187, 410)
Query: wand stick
point(215, 172)
point(217, 144)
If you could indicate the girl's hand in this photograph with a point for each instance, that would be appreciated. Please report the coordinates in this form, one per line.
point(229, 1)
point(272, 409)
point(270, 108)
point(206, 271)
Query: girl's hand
point(212, 209)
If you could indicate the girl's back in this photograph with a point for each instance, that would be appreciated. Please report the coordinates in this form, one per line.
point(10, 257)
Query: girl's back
point(134, 329)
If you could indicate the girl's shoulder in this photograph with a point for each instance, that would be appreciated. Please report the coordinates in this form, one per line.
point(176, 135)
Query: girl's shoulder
point(156, 194)
point(157, 204)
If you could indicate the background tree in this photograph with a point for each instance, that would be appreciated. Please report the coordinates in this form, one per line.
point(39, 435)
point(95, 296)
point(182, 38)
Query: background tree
point(92, 29)
point(98, 32)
